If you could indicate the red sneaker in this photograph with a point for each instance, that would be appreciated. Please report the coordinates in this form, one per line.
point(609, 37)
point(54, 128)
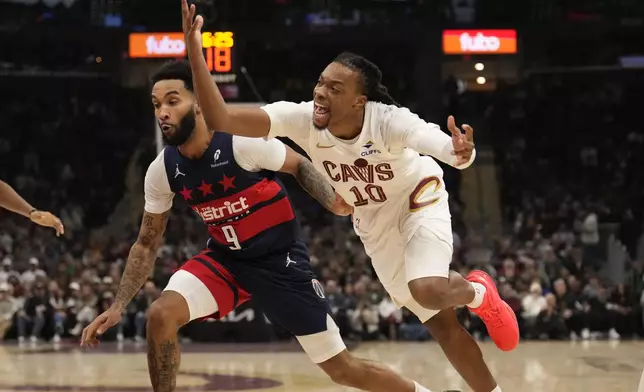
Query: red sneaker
point(497, 315)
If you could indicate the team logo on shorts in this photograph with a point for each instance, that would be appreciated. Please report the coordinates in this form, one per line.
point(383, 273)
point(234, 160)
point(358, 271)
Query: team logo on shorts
point(317, 286)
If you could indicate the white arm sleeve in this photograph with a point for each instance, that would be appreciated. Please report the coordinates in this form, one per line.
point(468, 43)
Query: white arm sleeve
point(403, 128)
point(158, 196)
point(255, 154)
point(291, 120)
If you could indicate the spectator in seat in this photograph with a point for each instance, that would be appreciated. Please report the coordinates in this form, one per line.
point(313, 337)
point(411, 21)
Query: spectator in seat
point(593, 287)
point(33, 312)
point(533, 303)
point(411, 328)
point(620, 301)
point(365, 320)
point(578, 303)
point(590, 238)
point(575, 263)
point(391, 317)
point(6, 270)
point(550, 323)
point(552, 265)
point(18, 290)
point(59, 310)
point(572, 311)
point(7, 308)
point(602, 316)
point(369, 318)
point(85, 308)
point(73, 301)
point(30, 275)
point(509, 272)
point(339, 305)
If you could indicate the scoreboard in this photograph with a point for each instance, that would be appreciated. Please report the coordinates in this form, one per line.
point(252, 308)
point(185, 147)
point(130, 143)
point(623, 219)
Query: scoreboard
point(218, 48)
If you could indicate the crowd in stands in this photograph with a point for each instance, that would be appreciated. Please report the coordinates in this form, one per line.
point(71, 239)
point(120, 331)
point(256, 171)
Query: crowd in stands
point(569, 162)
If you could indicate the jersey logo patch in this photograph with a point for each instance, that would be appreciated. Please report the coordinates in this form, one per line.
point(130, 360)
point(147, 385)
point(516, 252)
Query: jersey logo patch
point(289, 261)
point(215, 158)
point(369, 150)
point(317, 287)
point(178, 173)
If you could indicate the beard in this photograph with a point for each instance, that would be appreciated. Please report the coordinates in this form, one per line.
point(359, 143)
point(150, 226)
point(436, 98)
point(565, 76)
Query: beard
point(182, 131)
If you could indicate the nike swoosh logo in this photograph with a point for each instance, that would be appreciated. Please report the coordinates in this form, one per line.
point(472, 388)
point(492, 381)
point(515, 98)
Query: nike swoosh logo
point(319, 146)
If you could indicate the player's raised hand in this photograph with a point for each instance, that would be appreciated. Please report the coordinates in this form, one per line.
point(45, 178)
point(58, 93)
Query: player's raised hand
point(463, 143)
point(191, 25)
point(102, 323)
point(47, 219)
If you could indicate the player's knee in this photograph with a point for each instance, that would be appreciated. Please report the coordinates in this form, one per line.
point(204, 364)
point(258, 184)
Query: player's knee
point(430, 293)
point(170, 310)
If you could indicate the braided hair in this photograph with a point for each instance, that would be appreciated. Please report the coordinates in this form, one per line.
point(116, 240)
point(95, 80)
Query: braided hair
point(370, 77)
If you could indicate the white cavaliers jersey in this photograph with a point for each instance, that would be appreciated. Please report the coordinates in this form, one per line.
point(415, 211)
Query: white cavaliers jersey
point(380, 172)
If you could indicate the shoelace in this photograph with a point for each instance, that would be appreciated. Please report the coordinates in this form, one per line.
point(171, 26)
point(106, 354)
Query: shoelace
point(492, 317)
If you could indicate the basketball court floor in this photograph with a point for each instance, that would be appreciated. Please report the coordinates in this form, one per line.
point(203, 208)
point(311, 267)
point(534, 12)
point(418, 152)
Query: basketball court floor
point(533, 367)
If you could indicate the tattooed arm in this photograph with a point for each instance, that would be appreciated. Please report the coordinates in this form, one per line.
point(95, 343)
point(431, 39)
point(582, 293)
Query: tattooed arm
point(255, 154)
point(314, 182)
point(143, 254)
point(140, 262)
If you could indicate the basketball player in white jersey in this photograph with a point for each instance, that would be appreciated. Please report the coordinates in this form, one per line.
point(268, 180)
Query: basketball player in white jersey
point(12, 201)
point(369, 149)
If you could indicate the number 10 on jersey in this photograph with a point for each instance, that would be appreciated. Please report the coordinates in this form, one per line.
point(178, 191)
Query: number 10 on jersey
point(372, 192)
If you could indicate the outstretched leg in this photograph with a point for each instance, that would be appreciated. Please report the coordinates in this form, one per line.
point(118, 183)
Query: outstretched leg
point(348, 370)
point(327, 349)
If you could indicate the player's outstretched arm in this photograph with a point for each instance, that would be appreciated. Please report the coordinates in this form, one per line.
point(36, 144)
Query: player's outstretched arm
point(12, 201)
point(138, 269)
point(312, 181)
point(405, 129)
point(261, 154)
point(141, 259)
point(250, 122)
point(143, 254)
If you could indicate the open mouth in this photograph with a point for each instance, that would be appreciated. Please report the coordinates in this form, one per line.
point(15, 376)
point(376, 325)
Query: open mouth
point(320, 112)
point(166, 127)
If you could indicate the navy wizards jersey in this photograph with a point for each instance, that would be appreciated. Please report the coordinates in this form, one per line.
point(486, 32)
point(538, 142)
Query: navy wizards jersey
point(248, 214)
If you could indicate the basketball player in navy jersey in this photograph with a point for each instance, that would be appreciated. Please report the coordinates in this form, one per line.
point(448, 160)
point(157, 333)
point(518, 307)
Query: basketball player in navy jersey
point(253, 248)
point(12, 201)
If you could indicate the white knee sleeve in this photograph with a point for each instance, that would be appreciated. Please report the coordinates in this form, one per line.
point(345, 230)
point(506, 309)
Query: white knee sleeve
point(200, 300)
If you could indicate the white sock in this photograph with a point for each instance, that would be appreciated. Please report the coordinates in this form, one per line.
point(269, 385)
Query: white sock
point(497, 389)
point(479, 293)
point(420, 388)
